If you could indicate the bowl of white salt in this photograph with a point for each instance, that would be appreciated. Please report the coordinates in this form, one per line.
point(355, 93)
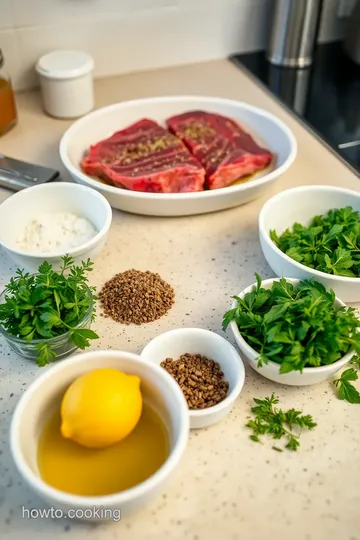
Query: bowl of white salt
point(48, 221)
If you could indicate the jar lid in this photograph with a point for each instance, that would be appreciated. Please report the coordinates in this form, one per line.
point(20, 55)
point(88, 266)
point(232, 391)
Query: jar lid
point(65, 64)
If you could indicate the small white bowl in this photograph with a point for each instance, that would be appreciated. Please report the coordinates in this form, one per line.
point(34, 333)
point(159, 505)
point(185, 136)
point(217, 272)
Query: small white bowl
point(176, 342)
point(19, 209)
point(44, 395)
point(301, 204)
point(309, 375)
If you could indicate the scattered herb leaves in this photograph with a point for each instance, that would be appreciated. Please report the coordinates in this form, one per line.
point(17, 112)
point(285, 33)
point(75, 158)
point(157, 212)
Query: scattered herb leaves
point(343, 384)
point(269, 420)
point(48, 304)
point(331, 243)
point(295, 326)
point(356, 361)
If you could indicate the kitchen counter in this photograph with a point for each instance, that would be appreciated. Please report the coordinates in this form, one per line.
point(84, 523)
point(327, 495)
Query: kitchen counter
point(226, 485)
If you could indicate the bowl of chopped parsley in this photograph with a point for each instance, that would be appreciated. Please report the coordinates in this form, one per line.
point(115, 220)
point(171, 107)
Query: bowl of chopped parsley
point(314, 232)
point(293, 332)
point(46, 316)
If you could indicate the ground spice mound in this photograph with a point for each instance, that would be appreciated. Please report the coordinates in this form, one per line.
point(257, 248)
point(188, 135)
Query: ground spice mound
point(135, 297)
point(201, 380)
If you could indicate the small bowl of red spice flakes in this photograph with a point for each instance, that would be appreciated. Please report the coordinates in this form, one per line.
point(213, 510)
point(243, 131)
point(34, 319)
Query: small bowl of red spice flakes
point(207, 368)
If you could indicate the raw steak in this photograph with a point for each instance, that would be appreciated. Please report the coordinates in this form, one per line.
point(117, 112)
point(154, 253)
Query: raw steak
point(223, 148)
point(145, 157)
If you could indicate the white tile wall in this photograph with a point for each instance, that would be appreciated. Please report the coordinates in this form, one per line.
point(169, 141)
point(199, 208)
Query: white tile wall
point(49, 12)
point(6, 14)
point(9, 44)
point(132, 35)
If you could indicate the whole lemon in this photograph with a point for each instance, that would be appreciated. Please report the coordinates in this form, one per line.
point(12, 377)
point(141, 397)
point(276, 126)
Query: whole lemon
point(101, 407)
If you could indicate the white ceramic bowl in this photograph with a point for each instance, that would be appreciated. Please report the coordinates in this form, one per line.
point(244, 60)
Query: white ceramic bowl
point(102, 123)
point(22, 207)
point(309, 375)
point(44, 395)
point(301, 204)
point(176, 342)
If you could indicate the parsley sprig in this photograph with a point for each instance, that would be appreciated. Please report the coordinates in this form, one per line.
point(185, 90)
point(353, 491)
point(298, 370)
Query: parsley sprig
point(296, 327)
point(269, 420)
point(49, 304)
point(331, 243)
point(346, 390)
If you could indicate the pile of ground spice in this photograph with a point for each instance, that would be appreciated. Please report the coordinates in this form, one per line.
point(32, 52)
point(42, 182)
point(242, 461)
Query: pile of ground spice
point(201, 380)
point(135, 297)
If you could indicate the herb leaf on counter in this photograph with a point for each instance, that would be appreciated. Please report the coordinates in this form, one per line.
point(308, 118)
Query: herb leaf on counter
point(331, 243)
point(346, 390)
point(355, 361)
point(48, 304)
point(295, 326)
point(269, 420)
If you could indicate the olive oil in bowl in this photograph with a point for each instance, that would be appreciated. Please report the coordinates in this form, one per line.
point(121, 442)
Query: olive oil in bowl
point(75, 469)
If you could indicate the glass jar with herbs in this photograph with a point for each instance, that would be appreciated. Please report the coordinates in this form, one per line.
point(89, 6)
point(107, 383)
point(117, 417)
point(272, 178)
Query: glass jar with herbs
point(8, 116)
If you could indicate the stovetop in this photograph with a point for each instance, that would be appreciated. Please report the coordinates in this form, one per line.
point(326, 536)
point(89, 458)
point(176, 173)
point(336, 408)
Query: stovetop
point(325, 96)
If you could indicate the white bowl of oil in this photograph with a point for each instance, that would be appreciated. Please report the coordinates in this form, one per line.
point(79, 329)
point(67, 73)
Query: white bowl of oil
point(117, 479)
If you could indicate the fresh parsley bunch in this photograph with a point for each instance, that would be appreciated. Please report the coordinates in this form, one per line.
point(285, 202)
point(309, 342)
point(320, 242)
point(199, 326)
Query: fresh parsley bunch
point(48, 304)
point(330, 244)
point(295, 326)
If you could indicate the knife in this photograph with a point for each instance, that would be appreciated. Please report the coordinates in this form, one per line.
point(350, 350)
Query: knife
point(17, 175)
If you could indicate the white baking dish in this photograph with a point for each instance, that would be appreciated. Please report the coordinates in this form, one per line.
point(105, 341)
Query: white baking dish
point(265, 127)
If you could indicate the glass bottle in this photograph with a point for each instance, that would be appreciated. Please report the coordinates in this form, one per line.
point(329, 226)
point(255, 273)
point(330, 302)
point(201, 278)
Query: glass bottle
point(8, 115)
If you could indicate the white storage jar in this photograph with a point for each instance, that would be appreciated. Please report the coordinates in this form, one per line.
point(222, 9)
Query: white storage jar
point(66, 80)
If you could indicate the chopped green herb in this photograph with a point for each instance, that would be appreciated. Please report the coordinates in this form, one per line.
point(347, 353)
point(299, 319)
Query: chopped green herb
point(272, 421)
point(331, 243)
point(295, 326)
point(48, 304)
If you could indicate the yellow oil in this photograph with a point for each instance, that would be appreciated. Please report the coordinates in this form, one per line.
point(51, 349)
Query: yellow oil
point(256, 174)
point(75, 469)
point(7, 106)
point(243, 179)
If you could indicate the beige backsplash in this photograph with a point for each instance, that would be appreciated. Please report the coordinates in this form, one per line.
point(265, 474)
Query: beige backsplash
point(133, 35)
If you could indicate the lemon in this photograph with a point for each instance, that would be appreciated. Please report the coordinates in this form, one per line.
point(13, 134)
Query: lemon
point(101, 407)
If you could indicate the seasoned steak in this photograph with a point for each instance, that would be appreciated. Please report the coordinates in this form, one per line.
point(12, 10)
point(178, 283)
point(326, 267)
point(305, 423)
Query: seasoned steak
point(223, 148)
point(145, 157)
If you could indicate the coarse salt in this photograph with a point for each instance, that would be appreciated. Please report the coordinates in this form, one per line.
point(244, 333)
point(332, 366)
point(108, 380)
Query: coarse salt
point(57, 232)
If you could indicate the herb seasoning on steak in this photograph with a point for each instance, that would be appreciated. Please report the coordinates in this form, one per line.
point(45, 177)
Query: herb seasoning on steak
point(145, 157)
point(223, 148)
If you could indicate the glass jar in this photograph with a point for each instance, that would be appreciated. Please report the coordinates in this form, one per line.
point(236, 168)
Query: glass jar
point(8, 116)
point(61, 345)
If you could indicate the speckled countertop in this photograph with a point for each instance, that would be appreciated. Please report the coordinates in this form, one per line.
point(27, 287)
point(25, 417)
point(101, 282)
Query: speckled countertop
point(226, 486)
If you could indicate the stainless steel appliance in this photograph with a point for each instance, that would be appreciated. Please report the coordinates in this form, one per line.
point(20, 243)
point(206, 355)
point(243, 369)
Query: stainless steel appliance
point(324, 96)
point(293, 32)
